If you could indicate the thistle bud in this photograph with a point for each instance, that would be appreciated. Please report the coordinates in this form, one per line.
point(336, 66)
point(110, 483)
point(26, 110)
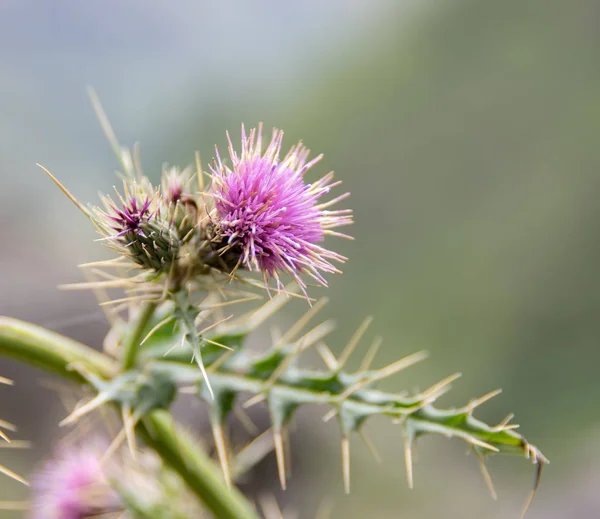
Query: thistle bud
point(136, 229)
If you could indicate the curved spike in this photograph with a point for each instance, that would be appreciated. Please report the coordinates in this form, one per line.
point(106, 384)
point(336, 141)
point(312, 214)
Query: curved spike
point(538, 477)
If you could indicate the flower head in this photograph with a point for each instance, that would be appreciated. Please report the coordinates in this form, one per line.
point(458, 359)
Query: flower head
point(266, 211)
point(73, 485)
point(135, 227)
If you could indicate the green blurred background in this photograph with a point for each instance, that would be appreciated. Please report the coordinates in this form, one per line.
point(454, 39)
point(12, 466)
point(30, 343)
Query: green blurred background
point(467, 132)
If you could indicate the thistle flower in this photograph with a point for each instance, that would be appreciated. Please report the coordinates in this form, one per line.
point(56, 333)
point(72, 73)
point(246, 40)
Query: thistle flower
point(135, 229)
point(73, 485)
point(266, 211)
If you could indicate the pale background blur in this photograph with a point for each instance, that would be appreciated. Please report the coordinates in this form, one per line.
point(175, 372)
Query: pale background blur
point(467, 132)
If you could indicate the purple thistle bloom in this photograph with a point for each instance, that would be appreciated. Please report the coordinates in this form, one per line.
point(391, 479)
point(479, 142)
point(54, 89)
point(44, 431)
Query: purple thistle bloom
point(73, 485)
point(130, 216)
point(265, 208)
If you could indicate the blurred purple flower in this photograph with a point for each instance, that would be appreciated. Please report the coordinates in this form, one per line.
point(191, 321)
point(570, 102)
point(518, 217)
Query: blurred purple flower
point(266, 210)
point(72, 485)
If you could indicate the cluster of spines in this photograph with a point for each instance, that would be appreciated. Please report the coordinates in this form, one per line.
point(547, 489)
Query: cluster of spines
point(274, 378)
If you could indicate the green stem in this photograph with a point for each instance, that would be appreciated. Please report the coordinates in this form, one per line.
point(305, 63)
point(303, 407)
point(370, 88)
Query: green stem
point(133, 337)
point(56, 353)
point(180, 451)
point(51, 351)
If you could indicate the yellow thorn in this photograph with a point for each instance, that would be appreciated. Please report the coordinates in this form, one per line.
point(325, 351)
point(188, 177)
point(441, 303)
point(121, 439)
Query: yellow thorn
point(14, 505)
point(156, 328)
point(78, 204)
point(389, 370)
point(256, 399)
point(325, 510)
point(327, 356)
point(346, 463)
point(114, 445)
point(269, 507)
point(13, 475)
point(107, 129)
point(4, 436)
point(483, 399)
point(486, 476)
point(6, 381)
point(87, 285)
point(353, 342)
point(219, 437)
point(16, 444)
point(370, 445)
point(408, 460)
point(129, 427)
point(288, 451)
point(278, 371)
point(8, 426)
point(254, 319)
point(246, 421)
point(505, 424)
point(78, 412)
point(538, 476)
point(329, 415)
point(210, 341)
point(204, 374)
point(442, 385)
point(366, 363)
point(279, 453)
point(212, 306)
point(214, 325)
point(199, 171)
point(216, 365)
point(482, 444)
point(302, 322)
point(317, 334)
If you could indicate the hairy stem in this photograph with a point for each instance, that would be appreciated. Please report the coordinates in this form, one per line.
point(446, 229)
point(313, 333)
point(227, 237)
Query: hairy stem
point(56, 354)
point(134, 334)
